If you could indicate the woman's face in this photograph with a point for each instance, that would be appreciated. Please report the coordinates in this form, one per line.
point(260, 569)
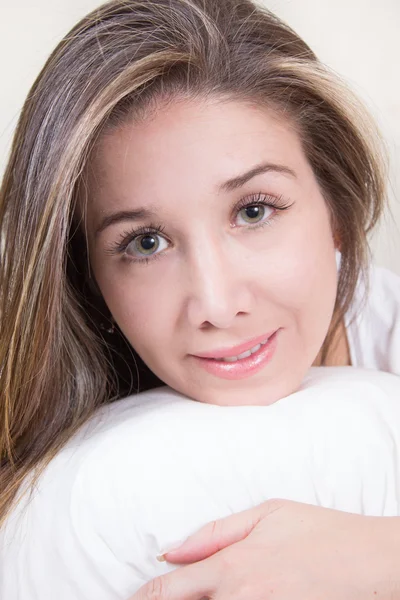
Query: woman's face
point(212, 246)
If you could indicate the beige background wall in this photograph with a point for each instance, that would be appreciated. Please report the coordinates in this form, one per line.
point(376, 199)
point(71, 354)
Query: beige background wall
point(358, 38)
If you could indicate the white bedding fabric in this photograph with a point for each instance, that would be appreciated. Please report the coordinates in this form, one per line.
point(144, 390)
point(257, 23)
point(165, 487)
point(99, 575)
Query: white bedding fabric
point(373, 323)
point(150, 470)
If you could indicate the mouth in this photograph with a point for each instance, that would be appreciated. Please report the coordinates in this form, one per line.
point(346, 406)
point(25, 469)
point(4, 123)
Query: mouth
point(241, 361)
point(244, 354)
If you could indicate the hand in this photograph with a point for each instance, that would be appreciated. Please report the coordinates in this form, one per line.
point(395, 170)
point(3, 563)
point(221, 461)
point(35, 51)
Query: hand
point(286, 551)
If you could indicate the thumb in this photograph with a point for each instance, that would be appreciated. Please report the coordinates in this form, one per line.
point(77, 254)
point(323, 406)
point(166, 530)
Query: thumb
point(217, 535)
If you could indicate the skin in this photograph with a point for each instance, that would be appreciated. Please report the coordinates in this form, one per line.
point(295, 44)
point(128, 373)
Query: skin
point(283, 550)
point(217, 280)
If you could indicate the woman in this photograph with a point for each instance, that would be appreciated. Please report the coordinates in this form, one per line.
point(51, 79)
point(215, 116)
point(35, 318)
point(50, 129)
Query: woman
point(154, 149)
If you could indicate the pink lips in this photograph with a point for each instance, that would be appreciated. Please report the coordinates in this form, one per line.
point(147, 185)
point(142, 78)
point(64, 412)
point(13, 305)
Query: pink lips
point(244, 367)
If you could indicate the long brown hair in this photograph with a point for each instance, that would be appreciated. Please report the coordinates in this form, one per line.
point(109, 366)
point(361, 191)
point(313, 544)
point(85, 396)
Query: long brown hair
point(57, 365)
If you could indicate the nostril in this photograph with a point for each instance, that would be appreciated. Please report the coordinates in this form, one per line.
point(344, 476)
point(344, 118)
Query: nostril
point(207, 325)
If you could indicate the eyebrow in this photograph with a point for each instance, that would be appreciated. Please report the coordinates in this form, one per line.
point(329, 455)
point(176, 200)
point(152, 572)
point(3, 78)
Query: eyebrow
point(141, 214)
point(123, 215)
point(237, 182)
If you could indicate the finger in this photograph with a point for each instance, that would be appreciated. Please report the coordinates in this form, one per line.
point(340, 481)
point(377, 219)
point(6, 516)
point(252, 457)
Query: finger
point(217, 535)
point(193, 582)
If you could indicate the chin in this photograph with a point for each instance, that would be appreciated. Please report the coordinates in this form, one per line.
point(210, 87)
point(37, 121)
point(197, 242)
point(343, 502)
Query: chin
point(265, 396)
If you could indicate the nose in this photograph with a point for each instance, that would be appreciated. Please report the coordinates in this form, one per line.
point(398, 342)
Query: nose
point(218, 288)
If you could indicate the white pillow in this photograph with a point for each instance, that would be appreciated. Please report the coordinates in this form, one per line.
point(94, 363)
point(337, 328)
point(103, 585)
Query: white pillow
point(151, 469)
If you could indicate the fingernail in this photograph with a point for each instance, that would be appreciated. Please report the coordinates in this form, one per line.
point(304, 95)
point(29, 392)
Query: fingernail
point(161, 557)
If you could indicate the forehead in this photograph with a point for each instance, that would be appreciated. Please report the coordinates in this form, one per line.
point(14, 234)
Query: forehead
point(187, 144)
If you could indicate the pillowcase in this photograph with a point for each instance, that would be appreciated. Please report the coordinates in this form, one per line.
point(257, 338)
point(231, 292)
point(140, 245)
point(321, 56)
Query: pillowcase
point(151, 469)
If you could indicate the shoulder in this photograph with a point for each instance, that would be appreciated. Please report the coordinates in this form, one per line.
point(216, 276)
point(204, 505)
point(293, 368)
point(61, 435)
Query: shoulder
point(374, 325)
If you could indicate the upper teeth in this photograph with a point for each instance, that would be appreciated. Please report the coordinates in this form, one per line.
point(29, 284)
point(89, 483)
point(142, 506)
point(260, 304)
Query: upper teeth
point(244, 354)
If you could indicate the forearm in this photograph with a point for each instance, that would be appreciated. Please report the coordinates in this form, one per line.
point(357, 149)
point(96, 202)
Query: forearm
point(382, 562)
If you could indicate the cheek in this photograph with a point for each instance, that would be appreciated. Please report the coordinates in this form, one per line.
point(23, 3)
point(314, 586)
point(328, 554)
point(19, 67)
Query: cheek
point(139, 308)
point(299, 270)
point(308, 272)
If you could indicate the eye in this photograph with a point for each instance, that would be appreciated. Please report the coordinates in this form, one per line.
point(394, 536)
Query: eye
point(147, 244)
point(254, 213)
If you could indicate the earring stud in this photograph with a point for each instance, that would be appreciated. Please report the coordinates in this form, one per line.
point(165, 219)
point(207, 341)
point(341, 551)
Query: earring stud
point(108, 328)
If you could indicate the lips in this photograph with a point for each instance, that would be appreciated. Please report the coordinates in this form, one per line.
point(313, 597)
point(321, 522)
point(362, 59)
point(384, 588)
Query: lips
point(241, 361)
point(245, 354)
point(238, 350)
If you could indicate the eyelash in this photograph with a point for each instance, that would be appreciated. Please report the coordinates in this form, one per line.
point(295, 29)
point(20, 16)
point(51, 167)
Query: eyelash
point(276, 202)
point(127, 237)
